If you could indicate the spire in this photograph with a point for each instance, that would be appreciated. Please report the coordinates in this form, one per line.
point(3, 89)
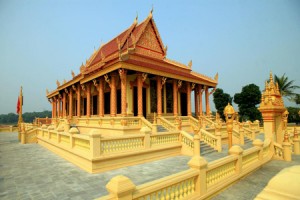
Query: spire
point(136, 18)
point(150, 14)
point(271, 77)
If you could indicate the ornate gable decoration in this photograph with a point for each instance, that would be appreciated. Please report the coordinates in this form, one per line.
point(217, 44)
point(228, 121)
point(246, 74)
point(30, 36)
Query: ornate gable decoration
point(271, 97)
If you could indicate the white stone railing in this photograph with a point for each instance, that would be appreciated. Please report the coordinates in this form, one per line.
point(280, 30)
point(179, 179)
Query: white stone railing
point(165, 123)
point(211, 140)
point(200, 181)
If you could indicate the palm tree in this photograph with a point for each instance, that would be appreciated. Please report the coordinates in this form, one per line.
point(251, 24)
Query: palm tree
point(286, 87)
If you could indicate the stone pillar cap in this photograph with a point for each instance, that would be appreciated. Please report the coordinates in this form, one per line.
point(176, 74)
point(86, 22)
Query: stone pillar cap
point(236, 150)
point(120, 184)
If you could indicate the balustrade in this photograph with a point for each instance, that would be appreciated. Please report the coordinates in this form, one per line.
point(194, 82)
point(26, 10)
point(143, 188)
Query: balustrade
point(113, 145)
point(164, 138)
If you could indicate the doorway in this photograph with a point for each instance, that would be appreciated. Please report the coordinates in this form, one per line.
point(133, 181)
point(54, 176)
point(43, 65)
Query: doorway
point(135, 102)
point(183, 104)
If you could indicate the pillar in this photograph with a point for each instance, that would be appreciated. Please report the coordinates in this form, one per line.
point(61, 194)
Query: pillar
point(64, 104)
point(53, 108)
point(123, 74)
point(175, 98)
point(88, 100)
point(140, 94)
point(158, 91)
point(207, 100)
point(200, 100)
point(188, 89)
point(196, 96)
point(70, 103)
point(113, 95)
point(78, 100)
point(59, 107)
point(101, 97)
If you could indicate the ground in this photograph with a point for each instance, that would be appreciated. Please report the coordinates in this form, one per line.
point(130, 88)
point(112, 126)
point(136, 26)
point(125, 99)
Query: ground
point(32, 172)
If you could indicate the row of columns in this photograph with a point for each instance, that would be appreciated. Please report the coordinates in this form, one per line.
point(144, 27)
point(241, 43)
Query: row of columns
point(59, 103)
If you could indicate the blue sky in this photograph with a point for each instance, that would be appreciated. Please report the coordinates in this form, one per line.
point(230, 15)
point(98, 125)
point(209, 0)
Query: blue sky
point(42, 41)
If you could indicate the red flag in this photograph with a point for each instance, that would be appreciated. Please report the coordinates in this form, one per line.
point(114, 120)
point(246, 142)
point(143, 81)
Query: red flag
point(18, 105)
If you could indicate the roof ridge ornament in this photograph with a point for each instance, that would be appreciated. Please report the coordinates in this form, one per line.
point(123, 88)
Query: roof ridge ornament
point(190, 64)
point(73, 74)
point(150, 14)
point(216, 76)
point(136, 18)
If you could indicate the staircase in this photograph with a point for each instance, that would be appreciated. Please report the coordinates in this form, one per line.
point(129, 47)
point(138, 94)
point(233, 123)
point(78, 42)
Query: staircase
point(206, 149)
point(160, 128)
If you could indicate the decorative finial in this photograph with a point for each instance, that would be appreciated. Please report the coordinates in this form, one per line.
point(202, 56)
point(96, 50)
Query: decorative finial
point(57, 83)
point(73, 74)
point(150, 14)
point(47, 91)
point(136, 18)
point(216, 76)
point(271, 77)
point(166, 48)
point(190, 64)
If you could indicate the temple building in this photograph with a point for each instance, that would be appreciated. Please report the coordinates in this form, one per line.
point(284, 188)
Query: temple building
point(131, 76)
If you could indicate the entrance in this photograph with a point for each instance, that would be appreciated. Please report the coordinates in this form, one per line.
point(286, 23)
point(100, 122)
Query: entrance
point(107, 103)
point(183, 104)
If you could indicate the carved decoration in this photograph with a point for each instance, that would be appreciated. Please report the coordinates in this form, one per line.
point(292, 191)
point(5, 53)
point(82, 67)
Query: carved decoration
point(74, 88)
point(57, 83)
point(193, 85)
point(144, 76)
point(163, 80)
point(82, 68)
point(95, 82)
point(122, 73)
point(83, 87)
point(47, 91)
point(213, 91)
point(179, 84)
point(66, 91)
point(65, 81)
point(107, 80)
point(216, 77)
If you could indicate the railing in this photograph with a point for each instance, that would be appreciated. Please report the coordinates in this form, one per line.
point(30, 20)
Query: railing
point(166, 138)
point(182, 185)
point(219, 170)
point(165, 123)
point(278, 151)
point(41, 121)
point(211, 140)
point(199, 182)
point(194, 122)
point(249, 133)
point(121, 144)
point(187, 140)
point(145, 122)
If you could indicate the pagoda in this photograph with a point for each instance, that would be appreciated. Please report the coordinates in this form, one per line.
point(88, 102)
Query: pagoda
point(131, 76)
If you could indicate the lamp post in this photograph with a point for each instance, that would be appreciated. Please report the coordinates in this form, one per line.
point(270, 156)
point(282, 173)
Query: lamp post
point(229, 116)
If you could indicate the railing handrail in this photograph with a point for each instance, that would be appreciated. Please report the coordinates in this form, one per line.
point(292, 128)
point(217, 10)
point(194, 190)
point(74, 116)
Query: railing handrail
point(169, 126)
point(203, 131)
point(146, 122)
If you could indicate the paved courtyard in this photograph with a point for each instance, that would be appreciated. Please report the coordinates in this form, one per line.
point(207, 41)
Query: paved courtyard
point(32, 172)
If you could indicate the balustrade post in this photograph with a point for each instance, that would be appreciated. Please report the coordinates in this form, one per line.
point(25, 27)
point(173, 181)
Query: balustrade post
point(196, 145)
point(219, 141)
point(200, 164)
point(287, 153)
point(296, 141)
point(258, 143)
point(120, 188)
point(238, 151)
point(23, 132)
point(73, 131)
point(66, 126)
point(147, 136)
point(95, 143)
point(252, 134)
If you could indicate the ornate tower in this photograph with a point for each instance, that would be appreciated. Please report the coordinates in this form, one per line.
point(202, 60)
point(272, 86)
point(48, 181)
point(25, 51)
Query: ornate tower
point(272, 109)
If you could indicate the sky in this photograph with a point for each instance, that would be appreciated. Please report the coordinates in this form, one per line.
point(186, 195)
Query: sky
point(42, 41)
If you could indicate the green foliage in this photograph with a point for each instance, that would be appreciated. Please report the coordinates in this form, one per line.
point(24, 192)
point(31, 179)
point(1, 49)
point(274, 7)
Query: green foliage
point(296, 99)
point(286, 87)
point(247, 101)
point(12, 118)
point(293, 115)
point(221, 100)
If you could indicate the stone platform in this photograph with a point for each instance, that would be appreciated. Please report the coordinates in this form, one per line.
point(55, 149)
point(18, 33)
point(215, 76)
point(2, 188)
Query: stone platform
point(32, 172)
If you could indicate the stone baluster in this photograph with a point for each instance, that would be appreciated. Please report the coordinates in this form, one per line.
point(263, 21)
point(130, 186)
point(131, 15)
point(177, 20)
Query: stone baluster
point(296, 141)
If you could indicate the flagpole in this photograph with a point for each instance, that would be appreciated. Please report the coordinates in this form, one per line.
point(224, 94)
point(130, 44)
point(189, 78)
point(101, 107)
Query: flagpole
point(21, 105)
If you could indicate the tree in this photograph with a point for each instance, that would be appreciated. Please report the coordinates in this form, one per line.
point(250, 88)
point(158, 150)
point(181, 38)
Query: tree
point(293, 115)
point(221, 100)
point(296, 99)
point(247, 101)
point(286, 87)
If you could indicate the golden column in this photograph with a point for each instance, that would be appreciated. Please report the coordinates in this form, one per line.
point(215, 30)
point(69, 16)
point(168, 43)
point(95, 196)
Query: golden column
point(140, 94)
point(229, 116)
point(158, 92)
point(59, 105)
point(53, 108)
point(188, 91)
point(196, 96)
point(70, 103)
point(123, 74)
point(64, 105)
point(78, 92)
point(207, 100)
point(101, 97)
point(113, 95)
point(175, 98)
point(88, 100)
point(200, 100)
